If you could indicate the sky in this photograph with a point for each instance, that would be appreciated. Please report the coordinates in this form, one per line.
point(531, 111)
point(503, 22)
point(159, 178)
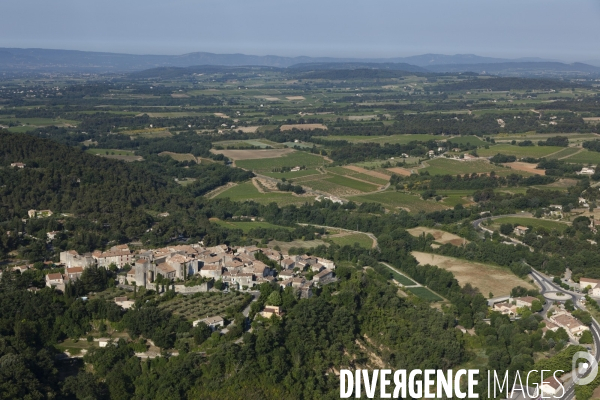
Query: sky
point(553, 29)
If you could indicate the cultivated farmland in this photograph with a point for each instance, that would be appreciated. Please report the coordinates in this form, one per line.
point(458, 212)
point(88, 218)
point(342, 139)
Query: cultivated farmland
point(487, 278)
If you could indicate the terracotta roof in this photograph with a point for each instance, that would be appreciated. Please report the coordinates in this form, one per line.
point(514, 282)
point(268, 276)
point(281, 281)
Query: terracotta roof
point(74, 270)
point(552, 382)
point(54, 277)
point(166, 268)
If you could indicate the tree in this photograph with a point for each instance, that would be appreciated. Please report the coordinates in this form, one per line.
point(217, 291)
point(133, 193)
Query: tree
point(536, 306)
point(586, 338)
point(274, 299)
point(506, 229)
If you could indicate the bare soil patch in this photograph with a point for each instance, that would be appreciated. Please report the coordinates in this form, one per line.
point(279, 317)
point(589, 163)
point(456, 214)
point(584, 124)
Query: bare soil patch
point(295, 98)
point(374, 174)
point(526, 167)
point(302, 127)
point(360, 117)
point(247, 129)
point(400, 171)
point(440, 236)
point(221, 115)
point(487, 278)
point(253, 154)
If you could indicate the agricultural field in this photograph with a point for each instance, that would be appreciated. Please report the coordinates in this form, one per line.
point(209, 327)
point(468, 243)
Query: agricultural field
point(534, 222)
point(466, 140)
point(565, 152)
point(201, 305)
point(344, 239)
point(292, 175)
point(113, 152)
point(441, 237)
point(239, 155)
point(445, 166)
point(487, 278)
point(424, 293)
point(584, 157)
point(519, 151)
point(361, 174)
point(275, 159)
point(392, 139)
point(248, 192)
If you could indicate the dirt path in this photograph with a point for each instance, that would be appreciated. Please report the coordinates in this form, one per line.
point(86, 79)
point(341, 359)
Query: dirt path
point(571, 155)
point(258, 186)
point(215, 192)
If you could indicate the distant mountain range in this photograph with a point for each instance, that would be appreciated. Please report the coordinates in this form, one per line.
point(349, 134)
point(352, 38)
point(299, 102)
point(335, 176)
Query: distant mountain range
point(45, 60)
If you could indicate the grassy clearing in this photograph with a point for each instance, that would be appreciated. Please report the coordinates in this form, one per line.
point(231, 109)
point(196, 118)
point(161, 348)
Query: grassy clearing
point(247, 226)
point(424, 293)
point(401, 279)
point(297, 158)
point(179, 156)
point(400, 200)
point(519, 151)
point(534, 222)
point(487, 278)
point(360, 238)
point(440, 236)
point(112, 152)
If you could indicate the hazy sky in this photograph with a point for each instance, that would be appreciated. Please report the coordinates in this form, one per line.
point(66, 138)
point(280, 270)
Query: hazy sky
point(558, 29)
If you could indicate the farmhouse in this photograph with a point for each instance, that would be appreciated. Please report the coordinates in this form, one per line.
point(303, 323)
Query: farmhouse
point(323, 276)
point(73, 274)
point(550, 386)
point(270, 311)
point(39, 213)
point(586, 171)
point(212, 322)
point(592, 284)
point(55, 280)
point(521, 230)
point(287, 263)
point(118, 255)
point(526, 301)
point(565, 320)
point(17, 165)
point(505, 308)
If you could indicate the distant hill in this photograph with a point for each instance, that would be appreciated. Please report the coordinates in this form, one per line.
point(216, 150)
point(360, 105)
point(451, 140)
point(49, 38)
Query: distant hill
point(542, 69)
point(13, 60)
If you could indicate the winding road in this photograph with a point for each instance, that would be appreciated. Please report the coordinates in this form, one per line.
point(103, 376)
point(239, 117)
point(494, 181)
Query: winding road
point(547, 286)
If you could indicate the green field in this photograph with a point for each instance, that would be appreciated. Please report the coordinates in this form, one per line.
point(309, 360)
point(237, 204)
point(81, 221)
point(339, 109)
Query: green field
point(297, 158)
point(534, 222)
point(463, 140)
point(396, 200)
point(247, 191)
point(352, 183)
point(360, 238)
point(115, 152)
point(519, 151)
point(247, 226)
point(392, 139)
point(584, 157)
point(445, 166)
point(568, 151)
point(424, 293)
point(292, 175)
point(401, 279)
point(357, 175)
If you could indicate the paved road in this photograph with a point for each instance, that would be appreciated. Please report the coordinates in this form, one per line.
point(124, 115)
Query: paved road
point(547, 285)
point(477, 225)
